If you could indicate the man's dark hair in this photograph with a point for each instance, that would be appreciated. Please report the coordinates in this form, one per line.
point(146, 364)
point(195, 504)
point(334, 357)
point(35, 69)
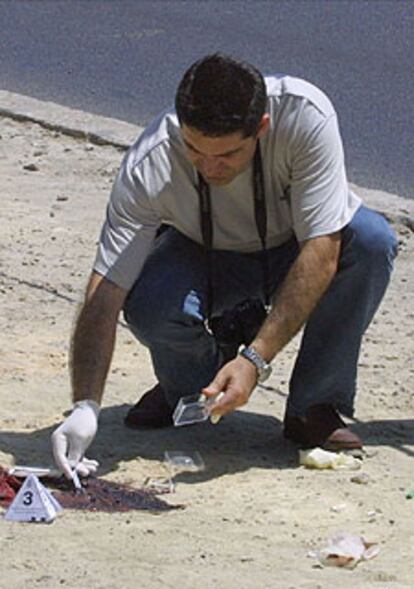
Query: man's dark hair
point(219, 95)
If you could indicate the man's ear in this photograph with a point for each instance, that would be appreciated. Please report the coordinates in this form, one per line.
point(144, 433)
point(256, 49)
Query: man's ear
point(263, 126)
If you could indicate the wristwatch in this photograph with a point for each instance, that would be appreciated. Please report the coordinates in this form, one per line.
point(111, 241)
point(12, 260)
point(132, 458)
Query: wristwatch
point(264, 369)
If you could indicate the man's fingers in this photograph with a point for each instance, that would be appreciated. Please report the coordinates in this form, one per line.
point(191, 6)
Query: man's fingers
point(225, 403)
point(216, 386)
point(60, 447)
point(215, 417)
point(215, 391)
point(233, 381)
point(73, 436)
point(87, 467)
point(91, 465)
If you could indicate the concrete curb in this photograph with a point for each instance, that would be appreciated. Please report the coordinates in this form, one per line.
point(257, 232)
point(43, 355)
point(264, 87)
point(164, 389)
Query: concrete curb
point(107, 131)
point(94, 128)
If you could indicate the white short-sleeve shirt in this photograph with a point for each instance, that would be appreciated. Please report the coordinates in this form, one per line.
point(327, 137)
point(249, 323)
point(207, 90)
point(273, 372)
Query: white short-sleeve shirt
point(307, 193)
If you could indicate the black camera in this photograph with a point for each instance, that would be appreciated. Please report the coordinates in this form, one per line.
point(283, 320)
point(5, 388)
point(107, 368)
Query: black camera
point(238, 326)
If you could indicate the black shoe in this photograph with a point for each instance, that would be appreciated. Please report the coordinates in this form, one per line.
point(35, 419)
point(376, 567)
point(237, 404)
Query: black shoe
point(151, 411)
point(323, 427)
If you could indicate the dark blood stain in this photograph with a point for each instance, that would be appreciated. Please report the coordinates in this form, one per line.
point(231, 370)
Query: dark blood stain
point(97, 494)
point(102, 495)
point(9, 486)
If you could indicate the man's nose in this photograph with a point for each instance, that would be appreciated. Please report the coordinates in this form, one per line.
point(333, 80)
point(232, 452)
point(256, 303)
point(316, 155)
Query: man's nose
point(210, 165)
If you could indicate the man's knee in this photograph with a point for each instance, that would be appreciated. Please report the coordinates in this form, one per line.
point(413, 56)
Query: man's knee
point(372, 240)
point(161, 318)
point(140, 315)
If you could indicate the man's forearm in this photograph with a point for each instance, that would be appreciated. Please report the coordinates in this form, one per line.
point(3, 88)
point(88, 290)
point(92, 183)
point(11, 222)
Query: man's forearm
point(306, 282)
point(91, 354)
point(93, 341)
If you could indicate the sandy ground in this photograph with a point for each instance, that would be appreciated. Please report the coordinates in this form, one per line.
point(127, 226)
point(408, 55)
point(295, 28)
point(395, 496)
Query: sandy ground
point(252, 516)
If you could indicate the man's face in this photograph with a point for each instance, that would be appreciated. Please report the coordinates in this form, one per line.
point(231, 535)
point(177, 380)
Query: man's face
point(220, 159)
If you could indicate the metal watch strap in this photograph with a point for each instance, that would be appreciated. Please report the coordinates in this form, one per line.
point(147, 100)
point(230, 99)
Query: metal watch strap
point(263, 368)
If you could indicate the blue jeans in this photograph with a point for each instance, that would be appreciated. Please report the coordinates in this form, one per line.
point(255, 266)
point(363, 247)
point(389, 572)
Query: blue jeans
point(166, 310)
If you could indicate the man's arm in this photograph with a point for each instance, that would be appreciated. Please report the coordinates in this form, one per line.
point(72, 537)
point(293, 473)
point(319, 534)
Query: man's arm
point(94, 338)
point(306, 282)
point(303, 287)
point(91, 353)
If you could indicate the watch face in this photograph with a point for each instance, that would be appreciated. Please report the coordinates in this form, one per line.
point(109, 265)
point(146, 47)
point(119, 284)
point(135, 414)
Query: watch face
point(264, 373)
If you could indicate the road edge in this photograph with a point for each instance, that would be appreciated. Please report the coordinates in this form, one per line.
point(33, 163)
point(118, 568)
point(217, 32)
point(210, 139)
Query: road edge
point(94, 128)
point(110, 131)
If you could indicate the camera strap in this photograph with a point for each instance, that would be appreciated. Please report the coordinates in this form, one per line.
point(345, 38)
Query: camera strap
point(206, 224)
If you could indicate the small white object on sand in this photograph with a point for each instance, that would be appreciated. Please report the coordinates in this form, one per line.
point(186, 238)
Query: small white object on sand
point(345, 550)
point(322, 459)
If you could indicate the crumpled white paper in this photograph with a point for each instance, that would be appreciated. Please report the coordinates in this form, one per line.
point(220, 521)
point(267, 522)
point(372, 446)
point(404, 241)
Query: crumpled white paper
point(345, 550)
point(322, 459)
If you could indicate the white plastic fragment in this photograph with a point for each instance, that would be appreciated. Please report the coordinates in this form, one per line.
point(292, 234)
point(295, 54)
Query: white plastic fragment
point(345, 550)
point(322, 459)
point(338, 508)
point(23, 471)
point(216, 418)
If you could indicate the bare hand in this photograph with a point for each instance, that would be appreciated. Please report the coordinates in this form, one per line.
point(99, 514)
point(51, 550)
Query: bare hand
point(236, 380)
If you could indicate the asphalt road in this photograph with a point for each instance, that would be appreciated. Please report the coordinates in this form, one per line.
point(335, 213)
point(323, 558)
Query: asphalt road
point(123, 58)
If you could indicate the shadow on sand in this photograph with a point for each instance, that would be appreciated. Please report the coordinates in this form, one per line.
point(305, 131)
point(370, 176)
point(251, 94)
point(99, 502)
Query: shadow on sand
point(241, 441)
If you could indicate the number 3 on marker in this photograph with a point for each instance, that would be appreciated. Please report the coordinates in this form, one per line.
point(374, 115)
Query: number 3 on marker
point(28, 498)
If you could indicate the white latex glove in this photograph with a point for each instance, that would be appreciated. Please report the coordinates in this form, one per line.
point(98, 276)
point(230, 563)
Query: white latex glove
point(71, 439)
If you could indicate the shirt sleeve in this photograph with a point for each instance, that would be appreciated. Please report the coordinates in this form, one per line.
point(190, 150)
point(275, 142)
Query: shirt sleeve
point(319, 192)
point(128, 231)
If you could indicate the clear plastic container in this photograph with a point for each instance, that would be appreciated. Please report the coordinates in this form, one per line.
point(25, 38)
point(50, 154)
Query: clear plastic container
point(178, 461)
point(192, 409)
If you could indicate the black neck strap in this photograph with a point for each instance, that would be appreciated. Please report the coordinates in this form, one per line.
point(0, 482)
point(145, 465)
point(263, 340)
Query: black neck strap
point(206, 224)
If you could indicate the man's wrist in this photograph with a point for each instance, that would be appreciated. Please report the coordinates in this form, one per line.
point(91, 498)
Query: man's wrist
point(263, 369)
point(89, 403)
